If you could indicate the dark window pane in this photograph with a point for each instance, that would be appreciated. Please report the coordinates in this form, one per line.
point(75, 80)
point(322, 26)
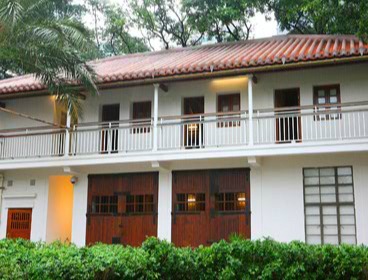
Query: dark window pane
point(130, 198)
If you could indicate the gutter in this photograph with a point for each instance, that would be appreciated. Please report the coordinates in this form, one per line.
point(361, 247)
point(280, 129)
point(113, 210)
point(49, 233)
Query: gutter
point(208, 75)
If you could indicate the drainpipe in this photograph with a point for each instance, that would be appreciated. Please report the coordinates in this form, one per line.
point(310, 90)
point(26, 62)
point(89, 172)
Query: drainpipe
point(1, 192)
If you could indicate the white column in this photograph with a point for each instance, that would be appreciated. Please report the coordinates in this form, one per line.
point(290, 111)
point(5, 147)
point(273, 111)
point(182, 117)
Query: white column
point(250, 109)
point(164, 205)
point(67, 134)
point(79, 219)
point(155, 116)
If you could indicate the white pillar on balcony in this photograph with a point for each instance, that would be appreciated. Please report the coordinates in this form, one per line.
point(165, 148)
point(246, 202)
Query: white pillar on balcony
point(67, 134)
point(250, 109)
point(155, 116)
point(164, 205)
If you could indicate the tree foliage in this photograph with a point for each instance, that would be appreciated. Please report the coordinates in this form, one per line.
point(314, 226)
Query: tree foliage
point(222, 19)
point(165, 20)
point(112, 30)
point(39, 38)
point(321, 16)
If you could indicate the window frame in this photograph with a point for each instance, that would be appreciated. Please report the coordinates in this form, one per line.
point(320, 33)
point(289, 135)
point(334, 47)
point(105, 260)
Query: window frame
point(144, 204)
point(234, 202)
point(108, 205)
point(185, 202)
point(229, 114)
point(327, 106)
point(336, 204)
point(135, 118)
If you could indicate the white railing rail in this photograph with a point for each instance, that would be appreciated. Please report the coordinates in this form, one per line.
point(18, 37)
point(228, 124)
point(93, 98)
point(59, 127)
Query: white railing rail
point(32, 142)
point(111, 137)
point(311, 123)
point(340, 122)
point(202, 131)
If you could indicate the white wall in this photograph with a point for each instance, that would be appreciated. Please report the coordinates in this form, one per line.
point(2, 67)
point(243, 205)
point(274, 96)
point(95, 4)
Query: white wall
point(41, 107)
point(60, 209)
point(277, 194)
point(23, 195)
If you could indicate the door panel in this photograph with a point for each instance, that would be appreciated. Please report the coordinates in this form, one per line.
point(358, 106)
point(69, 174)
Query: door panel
point(112, 217)
point(19, 223)
point(288, 127)
point(230, 202)
point(190, 220)
point(110, 114)
point(193, 131)
point(193, 228)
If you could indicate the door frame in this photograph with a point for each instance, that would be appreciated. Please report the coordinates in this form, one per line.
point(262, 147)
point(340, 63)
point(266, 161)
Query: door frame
point(8, 220)
point(114, 133)
point(198, 138)
point(297, 89)
point(210, 213)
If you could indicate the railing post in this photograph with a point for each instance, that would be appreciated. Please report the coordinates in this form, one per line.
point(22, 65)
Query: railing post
point(155, 116)
point(67, 134)
point(250, 109)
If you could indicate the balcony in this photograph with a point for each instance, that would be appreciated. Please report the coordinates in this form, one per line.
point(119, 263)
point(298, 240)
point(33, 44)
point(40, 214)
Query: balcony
point(345, 123)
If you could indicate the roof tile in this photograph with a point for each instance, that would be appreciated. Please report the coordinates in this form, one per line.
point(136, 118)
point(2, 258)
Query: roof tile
point(208, 58)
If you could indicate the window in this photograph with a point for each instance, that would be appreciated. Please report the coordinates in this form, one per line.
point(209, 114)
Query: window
point(190, 202)
point(105, 204)
point(228, 103)
point(141, 111)
point(326, 98)
point(139, 203)
point(329, 205)
point(230, 202)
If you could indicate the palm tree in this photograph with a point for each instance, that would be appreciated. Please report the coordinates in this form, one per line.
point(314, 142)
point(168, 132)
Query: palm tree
point(42, 38)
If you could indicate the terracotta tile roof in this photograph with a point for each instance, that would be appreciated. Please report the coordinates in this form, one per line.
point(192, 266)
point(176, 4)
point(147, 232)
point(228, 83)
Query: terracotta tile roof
point(276, 50)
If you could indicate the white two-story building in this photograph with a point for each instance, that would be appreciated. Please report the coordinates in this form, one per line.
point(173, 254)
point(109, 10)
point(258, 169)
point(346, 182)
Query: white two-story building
point(263, 138)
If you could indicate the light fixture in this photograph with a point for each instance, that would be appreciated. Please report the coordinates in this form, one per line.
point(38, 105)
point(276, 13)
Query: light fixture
point(192, 127)
point(242, 199)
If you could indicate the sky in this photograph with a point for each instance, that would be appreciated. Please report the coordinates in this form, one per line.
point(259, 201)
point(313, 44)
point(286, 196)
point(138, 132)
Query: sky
point(261, 27)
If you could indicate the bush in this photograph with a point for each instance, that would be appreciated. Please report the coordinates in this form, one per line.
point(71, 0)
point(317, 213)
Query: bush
point(238, 259)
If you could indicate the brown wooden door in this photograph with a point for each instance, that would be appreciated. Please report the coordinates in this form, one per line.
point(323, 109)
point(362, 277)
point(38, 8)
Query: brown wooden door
point(19, 223)
point(190, 219)
point(210, 205)
point(193, 131)
point(110, 114)
point(122, 208)
point(288, 125)
point(230, 204)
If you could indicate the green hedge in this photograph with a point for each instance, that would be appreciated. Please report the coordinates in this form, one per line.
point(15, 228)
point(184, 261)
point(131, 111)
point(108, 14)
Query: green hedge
point(238, 259)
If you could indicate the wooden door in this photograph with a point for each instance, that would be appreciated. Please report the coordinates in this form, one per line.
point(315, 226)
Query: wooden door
point(140, 196)
point(193, 131)
point(230, 204)
point(122, 208)
point(288, 122)
point(190, 219)
point(19, 223)
point(110, 114)
point(210, 205)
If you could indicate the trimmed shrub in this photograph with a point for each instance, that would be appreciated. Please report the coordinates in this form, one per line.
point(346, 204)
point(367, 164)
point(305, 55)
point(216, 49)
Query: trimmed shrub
point(238, 259)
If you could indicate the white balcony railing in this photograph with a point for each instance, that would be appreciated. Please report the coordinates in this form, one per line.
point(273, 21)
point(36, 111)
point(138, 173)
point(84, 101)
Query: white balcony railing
point(311, 124)
point(343, 122)
point(117, 137)
point(31, 143)
point(202, 131)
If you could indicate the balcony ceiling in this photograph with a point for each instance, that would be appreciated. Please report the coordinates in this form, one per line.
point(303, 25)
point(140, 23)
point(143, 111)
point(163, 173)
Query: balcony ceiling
point(273, 51)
